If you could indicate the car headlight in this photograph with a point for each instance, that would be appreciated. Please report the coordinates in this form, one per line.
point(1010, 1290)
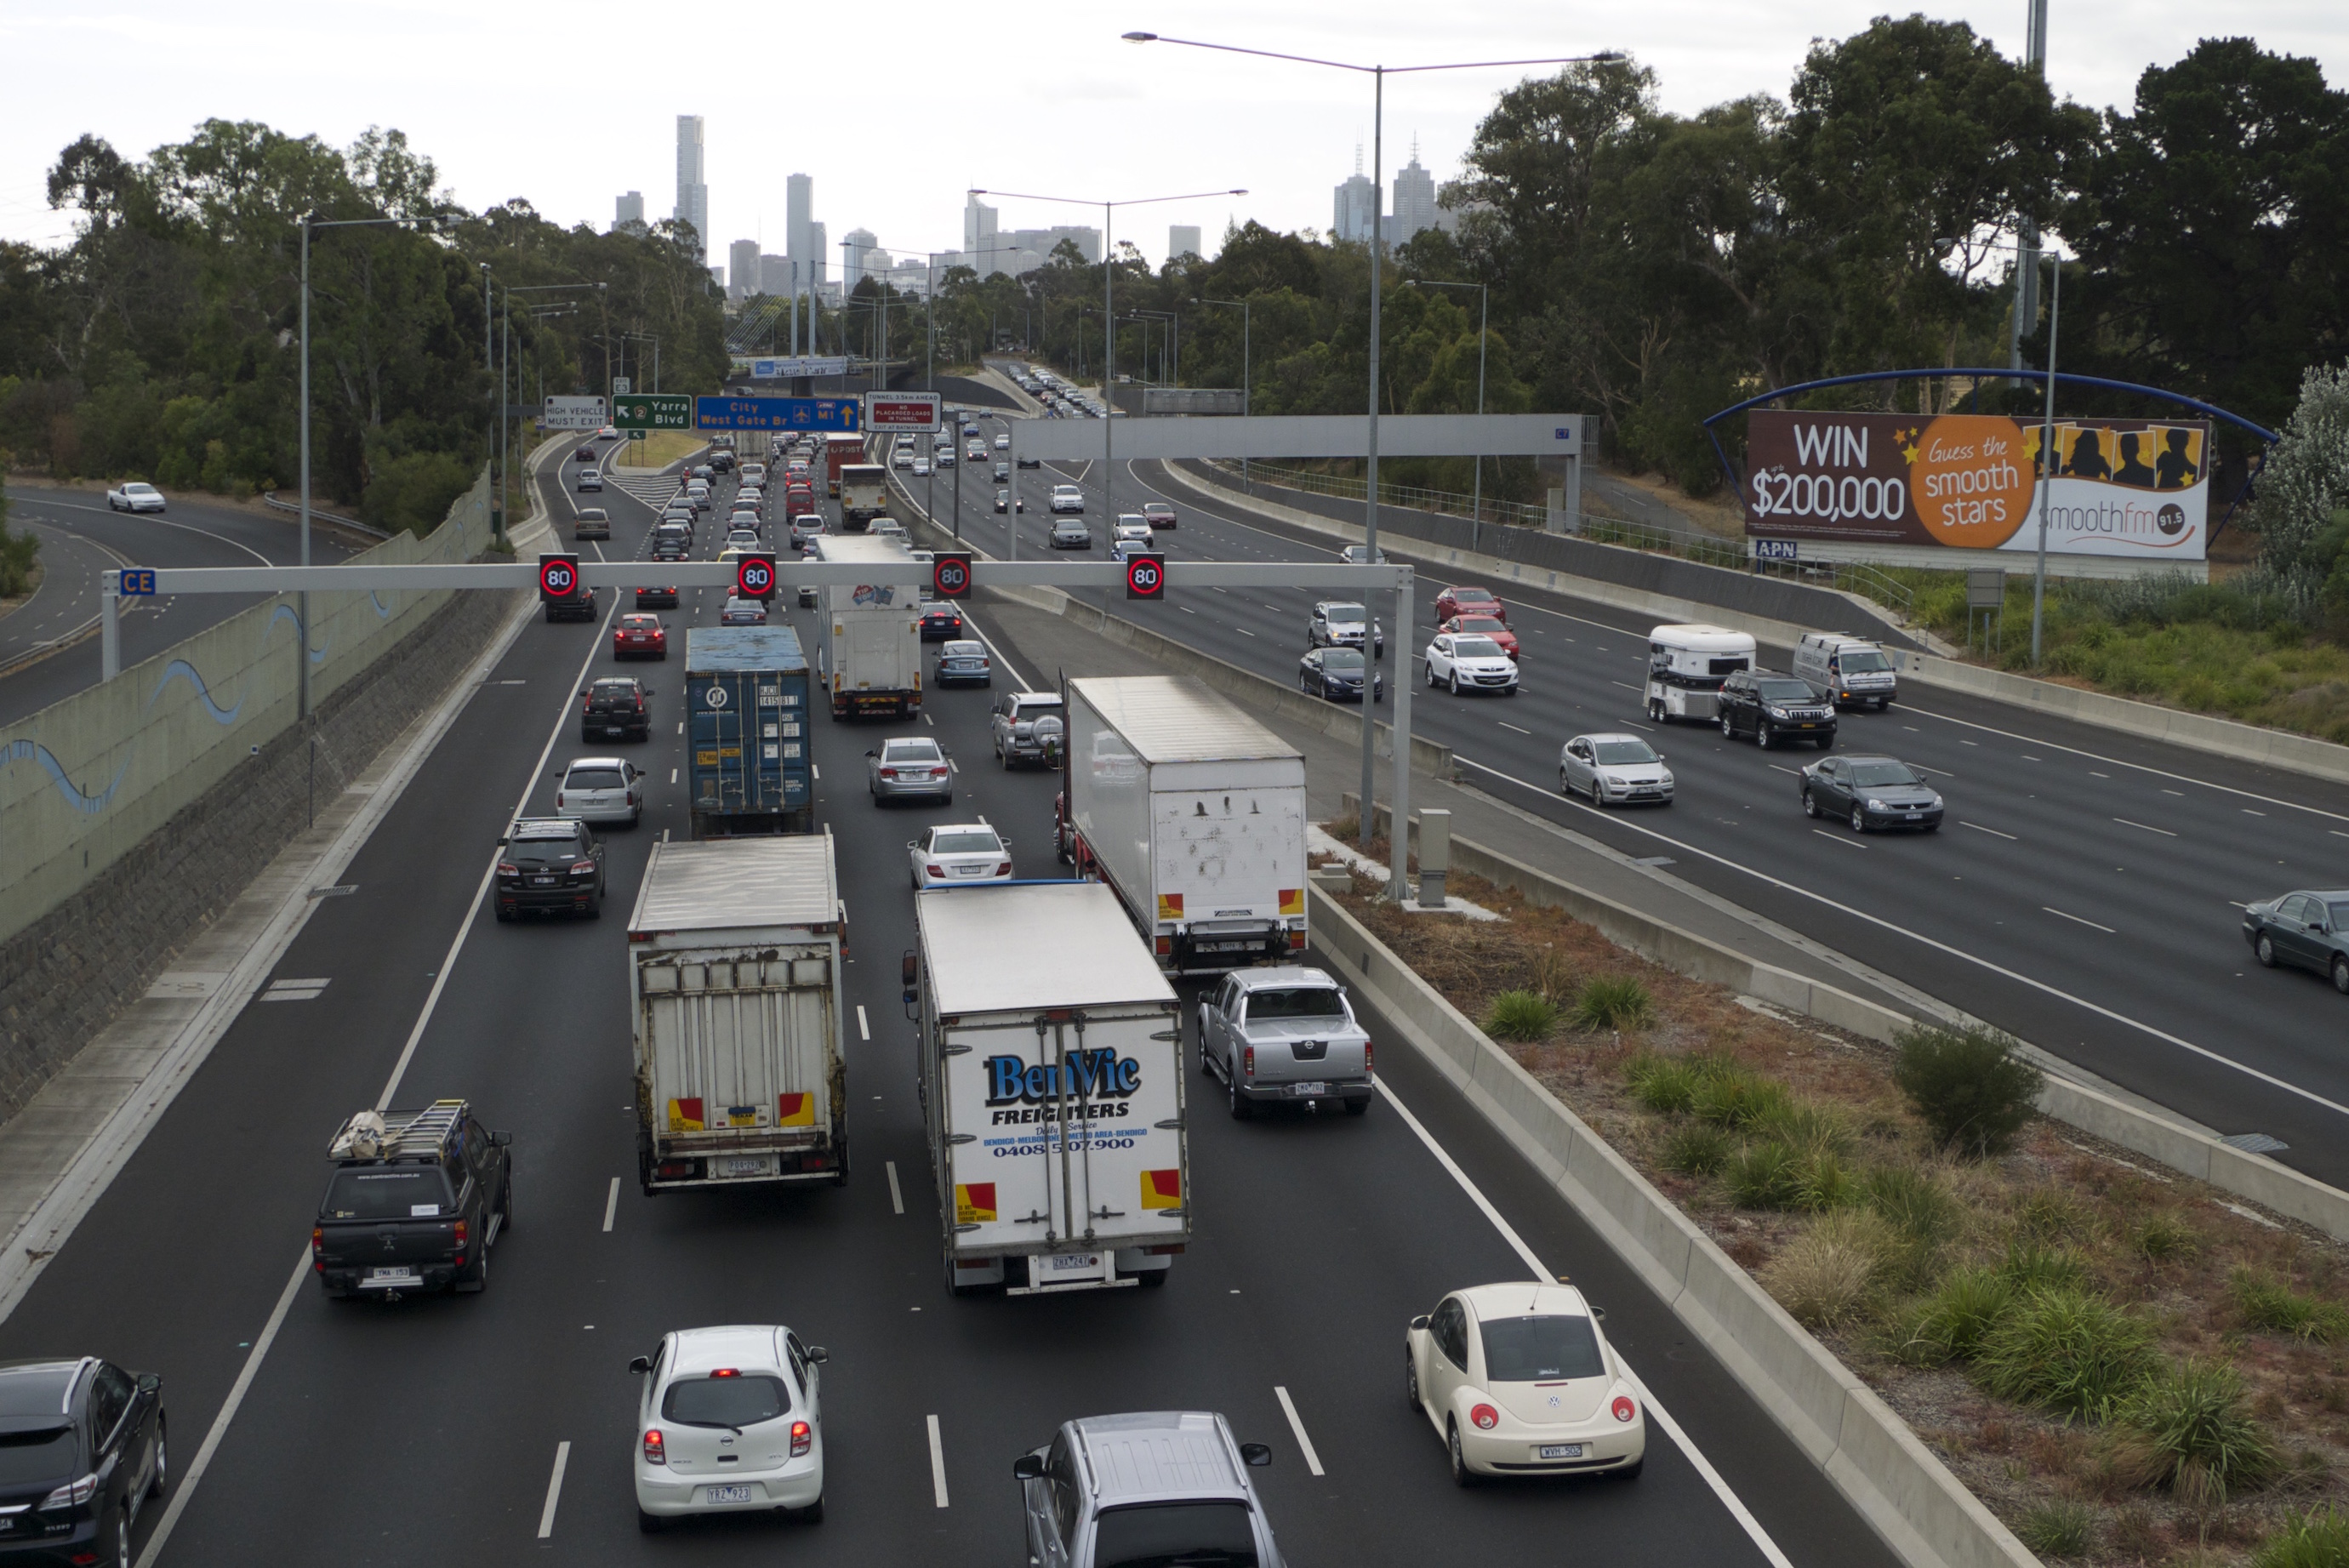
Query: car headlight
point(1776, 712)
point(1934, 804)
point(1877, 806)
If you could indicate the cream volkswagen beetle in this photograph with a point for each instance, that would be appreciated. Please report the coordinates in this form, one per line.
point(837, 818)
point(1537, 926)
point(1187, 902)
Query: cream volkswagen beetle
point(1519, 1379)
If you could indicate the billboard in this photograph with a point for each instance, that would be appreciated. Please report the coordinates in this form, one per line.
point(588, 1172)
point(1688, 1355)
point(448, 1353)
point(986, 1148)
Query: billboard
point(2129, 487)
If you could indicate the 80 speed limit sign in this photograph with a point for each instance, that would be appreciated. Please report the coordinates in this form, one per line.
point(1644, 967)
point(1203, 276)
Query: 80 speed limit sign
point(1145, 577)
point(754, 576)
point(558, 576)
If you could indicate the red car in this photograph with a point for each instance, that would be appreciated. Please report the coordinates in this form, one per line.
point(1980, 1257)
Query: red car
point(640, 637)
point(1469, 601)
point(1491, 627)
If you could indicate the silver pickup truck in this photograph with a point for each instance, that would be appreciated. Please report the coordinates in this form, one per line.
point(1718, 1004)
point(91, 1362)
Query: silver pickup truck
point(1285, 1033)
point(1156, 1487)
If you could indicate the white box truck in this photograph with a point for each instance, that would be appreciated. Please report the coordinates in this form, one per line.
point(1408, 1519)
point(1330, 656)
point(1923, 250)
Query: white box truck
point(869, 634)
point(734, 954)
point(1193, 813)
point(1050, 1070)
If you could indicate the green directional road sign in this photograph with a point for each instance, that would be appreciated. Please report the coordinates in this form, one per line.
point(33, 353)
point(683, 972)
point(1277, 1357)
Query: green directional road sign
point(653, 411)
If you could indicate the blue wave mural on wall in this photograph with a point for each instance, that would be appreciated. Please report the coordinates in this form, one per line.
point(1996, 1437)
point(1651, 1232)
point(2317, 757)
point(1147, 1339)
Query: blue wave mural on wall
point(179, 668)
point(87, 804)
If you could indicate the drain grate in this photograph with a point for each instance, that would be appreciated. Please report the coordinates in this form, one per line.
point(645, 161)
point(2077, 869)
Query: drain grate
point(2256, 1143)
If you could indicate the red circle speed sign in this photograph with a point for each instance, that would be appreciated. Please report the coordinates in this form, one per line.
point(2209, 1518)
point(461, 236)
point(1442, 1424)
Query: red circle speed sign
point(1145, 577)
point(558, 576)
point(754, 576)
point(950, 574)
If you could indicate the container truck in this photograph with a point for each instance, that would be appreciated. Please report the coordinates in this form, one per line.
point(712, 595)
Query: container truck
point(1194, 815)
point(863, 495)
point(840, 449)
point(734, 986)
point(1050, 1072)
point(747, 698)
point(869, 634)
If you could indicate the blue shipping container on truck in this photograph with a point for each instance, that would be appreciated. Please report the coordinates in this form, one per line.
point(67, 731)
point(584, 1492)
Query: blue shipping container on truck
point(746, 691)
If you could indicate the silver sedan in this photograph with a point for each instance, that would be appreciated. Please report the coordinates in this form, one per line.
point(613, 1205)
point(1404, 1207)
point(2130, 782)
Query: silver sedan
point(909, 769)
point(1613, 769)
point(957, 854)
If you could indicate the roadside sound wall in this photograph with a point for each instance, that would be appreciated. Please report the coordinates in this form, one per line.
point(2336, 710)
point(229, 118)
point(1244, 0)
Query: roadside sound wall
point(84, 781)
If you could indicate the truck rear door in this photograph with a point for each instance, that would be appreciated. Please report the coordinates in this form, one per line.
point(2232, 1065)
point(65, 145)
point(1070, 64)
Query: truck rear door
point(1233, 860)
point(739, 1063)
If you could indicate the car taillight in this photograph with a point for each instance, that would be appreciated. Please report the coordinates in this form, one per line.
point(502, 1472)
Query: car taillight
point(934, 870)
point(584, 869)
point(1485, 1416)
point(802, 1438)
point(1004, 869)
point(1623, 1407)
point(1249, 1062)
point(656, 1446)
point(1368, 1053)
point(588, 706)
point(558, 799)
point(889, 773)
point(508, 869)
point(73, 1494)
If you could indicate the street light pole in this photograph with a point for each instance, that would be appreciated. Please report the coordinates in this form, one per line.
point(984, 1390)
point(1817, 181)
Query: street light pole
point(1484, 306)
point(2046, 453)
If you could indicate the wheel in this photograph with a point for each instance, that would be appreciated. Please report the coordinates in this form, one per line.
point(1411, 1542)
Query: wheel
point(1764, 737)
point(1825, 742)
point(1565, 785)
point(1004, 758)
point(1242, 1109)
point(1655, 711)
point(1359, 1106)
point(1726, 733)
point(1432, 681)
point(947, 799)
point(651, 1524)
point(596, 907)
point(813, 1513)
point(505, 917)
point(480, 1280)
point(162, 1477)
point(1462, 1475)
point(1455, 683)
point(1411, 1384)
point(1858, 820)
point(912, 879)
point(2341, 974)
point(121, 1554)
point(1598, 792)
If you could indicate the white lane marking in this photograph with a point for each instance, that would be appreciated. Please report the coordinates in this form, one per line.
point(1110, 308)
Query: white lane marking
point(1969, 743)
point(928, 720)
point(2094, 774)
point(896, 1196)
point(1505, 724)
point(2041, 986)
point(2165, 832)
point(1626, 686)
point(1243, 631)
point(2181, 795)
point(203, 1462)
point(1712, 1478)
point(1994, 833)
point(611, 1204)
point(1844, 840)
point(1289, 1408)
point(680, 727)
point(672, 775)
point(817, 770)
point(1780, 767)
point(864, 1030)
point(2075, 919)
point(554, 1489)
point(937, 1463)
point(2249, 812)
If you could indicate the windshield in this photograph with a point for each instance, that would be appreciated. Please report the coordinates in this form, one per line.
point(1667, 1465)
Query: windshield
point(1344, 615)
point(1619, 752)
point(1784, 691)
point(45, 1453)
point(910, 751)
point(592, 779)
point(1476, 648)
point(1540, 1349)
point(1343, 659)
point(1297, 1002)
point(1877, 775)
point(536, 854)
point(1859, 663)
point(965, 844)
point(403, 1193)
point(1165, 1535)
point(731, 1401)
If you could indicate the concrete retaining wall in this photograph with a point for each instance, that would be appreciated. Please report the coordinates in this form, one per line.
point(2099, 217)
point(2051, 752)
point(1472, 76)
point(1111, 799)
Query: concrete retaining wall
point(1906, 1494)
point(88, 781)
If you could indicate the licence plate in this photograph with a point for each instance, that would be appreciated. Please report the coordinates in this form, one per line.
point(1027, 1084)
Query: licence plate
point(614, 729)
point(1914, 815)
point(542, 882)
point(1304, 1089)
point(1561, 1450)
point(727, 1494)
point(391, 1276)
point(746, 1165)
point(1224, 946)
point(1075, 1263)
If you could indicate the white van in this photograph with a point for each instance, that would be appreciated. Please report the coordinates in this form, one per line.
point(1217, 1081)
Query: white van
point(1686, 666)
point(1853, 671)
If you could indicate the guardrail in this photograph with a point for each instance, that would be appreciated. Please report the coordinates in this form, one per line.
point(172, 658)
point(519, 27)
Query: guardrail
point(269, 499)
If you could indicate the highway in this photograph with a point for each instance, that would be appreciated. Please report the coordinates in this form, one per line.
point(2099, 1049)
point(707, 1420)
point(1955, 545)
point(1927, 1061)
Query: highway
point(2086, 893)
point(80, 539)
point(429, 1430)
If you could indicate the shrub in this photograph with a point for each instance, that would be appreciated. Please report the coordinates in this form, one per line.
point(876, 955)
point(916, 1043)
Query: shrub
point(1805, 1126)
point(1526, 1016)
point(2185, 1427)
point(2160, 1238)
point(2065, 1527)
point(2074, 1354)
point(1971, 1087)
point(2317, 1540)
point(1612, 1002)
point(1732, 1097)
point(1824, 1276)
point(1822, 1181)
point(1554, 977)
point(1921, 1214)
point(1763, 1176)
point(1696, 1149)
point(1665, 1085)
point(1951, 1324)
point(2268, 1303)
point(2030, 1266)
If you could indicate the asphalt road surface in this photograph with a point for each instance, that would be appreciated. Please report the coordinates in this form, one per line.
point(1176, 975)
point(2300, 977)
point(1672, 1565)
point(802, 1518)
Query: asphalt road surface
point(2085, 892)
point(428, 1430)
point(80, 538)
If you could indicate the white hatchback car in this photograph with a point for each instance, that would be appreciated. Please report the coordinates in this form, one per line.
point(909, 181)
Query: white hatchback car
point(134, 495)
point(1519, 1379)
point(600, 790)
point(1467, 661)
point(960, 852)
point(731, 1421)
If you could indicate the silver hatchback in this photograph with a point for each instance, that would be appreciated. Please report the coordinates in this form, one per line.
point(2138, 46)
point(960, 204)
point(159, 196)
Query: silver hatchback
point(909, 769)
point(602, 789)
point(1157, 1486)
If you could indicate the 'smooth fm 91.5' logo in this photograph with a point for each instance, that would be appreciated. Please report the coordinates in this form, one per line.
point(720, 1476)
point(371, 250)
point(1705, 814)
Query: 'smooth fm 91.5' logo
point(1090, 1074)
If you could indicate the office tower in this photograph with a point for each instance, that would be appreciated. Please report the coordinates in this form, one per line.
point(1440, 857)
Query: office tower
point(1357, 205)
point(799, 207)
point(774, 273)
point(815, 270)
point(629, 208)
point(1182, 240)
point(979, 237)
point(742, 269)
point(858, 263)
point(1414, 200)
point(692, 186)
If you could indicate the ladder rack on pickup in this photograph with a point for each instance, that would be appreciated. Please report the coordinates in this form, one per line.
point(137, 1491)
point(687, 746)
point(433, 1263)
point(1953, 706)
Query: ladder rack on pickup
point(405, 1134)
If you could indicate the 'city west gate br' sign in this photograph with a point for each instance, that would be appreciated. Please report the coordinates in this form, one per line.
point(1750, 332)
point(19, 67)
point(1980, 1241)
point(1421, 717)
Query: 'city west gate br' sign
point(1972, 481)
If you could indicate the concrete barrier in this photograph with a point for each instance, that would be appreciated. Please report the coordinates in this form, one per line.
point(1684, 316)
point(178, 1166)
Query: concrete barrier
point(1867, 1453)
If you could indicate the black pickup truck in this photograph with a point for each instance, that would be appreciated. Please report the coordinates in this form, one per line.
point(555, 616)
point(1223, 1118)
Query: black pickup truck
point(417, 1200)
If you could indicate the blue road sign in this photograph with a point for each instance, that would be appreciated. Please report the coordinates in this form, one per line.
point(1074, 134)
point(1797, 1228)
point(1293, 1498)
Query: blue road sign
point(1775, 550)
point(136, 579)
point(775, 413)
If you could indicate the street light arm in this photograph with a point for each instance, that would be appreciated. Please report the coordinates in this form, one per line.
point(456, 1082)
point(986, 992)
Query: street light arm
point(1605, 56)
point(1083, 202)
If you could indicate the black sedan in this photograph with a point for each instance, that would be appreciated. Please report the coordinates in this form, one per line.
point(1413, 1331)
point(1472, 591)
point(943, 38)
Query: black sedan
point(2309, 930)
point(84, 1440)
point(1871, 792)
point(656, 598)
point(941, 622)
point(1336, 674)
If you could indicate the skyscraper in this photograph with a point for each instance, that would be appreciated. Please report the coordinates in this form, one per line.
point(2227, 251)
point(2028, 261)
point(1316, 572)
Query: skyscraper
point(1182, 240)
point(742, 275)
point(1414, 200)
point(860, 260)
point(692, 186)
point(979, 235)
point(799, 207)
point(1357, 205)
point(629, 208)
point(816, 270)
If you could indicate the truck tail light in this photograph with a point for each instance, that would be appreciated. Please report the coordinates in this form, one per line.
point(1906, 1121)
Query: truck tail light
point(656, 1446)
point(1485, 1416)
point(1247, 1062)
point(318, 1248)
point(1165, 946)
point(1297, 941)
point(802, 1438)
point(463, 1231)
point(1623, 1407)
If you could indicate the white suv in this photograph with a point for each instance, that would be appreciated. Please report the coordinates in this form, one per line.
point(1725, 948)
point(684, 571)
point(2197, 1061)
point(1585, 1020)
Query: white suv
point(730, 1422)
point(1068, 498)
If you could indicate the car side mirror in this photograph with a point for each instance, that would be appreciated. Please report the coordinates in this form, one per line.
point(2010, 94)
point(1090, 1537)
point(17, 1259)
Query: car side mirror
point(1599, 1312)
point(503, 842)
point(1027, 1466)
point(649, 690)
point(502, 1139)
point(817, 1354)
point(872, 754)
point(1420, 1322)
point(1256, 1456)
point(640, 1363)
point(150, 1383)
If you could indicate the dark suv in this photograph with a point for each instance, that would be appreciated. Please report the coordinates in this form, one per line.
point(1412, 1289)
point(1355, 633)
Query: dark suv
point(417, 1200)
point(552, 864)
point(579, 604)
point(615, 709)
point(81, 1451)
point(1771, 708)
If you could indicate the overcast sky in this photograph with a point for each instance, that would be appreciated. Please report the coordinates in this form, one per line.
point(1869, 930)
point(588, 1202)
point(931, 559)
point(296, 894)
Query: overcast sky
point(898, 110)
